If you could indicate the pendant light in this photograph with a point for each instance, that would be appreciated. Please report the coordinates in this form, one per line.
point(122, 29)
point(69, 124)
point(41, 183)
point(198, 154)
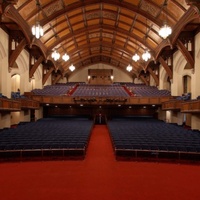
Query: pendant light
point(37, 29)
point(146, 55)
point(165, 30)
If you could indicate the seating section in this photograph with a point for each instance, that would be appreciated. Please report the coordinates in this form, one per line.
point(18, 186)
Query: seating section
point(3, 96)
point(150, 138)
point(17, 95)
point(184, 97)
point(142, 90)
point(100, 91)
point(55, 90)
point(46, 138)
point(75, 89)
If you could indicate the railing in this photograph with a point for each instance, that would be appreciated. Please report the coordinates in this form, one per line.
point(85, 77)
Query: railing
point(172, 105)
point(9, 105)
point(29, 104)
point(102, 100)
point(18, 104)
point(167, 103)
point(192, 106)
point(149, 100)
point(53, 99)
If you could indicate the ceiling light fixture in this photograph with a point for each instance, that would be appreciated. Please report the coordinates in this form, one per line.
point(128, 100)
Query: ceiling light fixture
point(65, 57)
point(136, 57)
point(37, 30)
point(165, 30)
point(146, 55)
point(129, 68)
point(72, 68)
point(55, 55)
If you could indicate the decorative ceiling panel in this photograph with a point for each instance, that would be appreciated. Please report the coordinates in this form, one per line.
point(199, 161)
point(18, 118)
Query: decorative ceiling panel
point(114, 28)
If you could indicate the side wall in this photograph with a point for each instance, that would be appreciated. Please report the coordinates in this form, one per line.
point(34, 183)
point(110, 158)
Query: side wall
point(25, 84)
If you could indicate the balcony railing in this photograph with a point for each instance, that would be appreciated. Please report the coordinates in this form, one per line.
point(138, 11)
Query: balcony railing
point(18, 104)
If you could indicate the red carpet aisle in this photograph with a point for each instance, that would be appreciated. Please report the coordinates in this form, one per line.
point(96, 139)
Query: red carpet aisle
point(98, 177)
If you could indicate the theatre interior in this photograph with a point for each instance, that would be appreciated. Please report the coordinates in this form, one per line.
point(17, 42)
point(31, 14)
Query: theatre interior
point(99, 98)
point(132, 66)
point(70, 67)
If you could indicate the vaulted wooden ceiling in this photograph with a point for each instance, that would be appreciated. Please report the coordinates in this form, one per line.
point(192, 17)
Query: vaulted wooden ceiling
point(101, 31)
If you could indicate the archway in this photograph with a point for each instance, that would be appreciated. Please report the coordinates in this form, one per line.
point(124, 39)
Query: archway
point(15, 83)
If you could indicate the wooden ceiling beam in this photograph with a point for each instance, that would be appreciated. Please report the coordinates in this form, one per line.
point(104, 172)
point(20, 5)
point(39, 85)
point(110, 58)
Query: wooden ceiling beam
point(46, 76)
point(166, 67)
point(56, 79)
point(14, 54)
point(124, 5)
point(144, 79)
point(11, 13)
point(35, 66)
point(185, 53)
point(98, 26)
point(155, 77)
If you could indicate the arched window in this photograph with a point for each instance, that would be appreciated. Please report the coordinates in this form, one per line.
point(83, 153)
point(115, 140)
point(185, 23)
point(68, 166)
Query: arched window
point(186, 84)
point(15, 83)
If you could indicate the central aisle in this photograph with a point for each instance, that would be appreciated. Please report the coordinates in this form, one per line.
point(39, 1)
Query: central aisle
point(100, 146)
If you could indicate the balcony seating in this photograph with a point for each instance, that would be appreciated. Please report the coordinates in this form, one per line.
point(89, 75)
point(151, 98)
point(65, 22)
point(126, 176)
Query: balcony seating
point(100, 91)
point(55, 90)
point(17, 95)
point(45, 138)
point(142, 90)
point(106, 91)
point(152, 139)
point(3, 96)
point(184, 97)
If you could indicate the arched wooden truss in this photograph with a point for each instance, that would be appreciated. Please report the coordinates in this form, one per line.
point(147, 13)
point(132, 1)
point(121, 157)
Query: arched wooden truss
point(93, 32)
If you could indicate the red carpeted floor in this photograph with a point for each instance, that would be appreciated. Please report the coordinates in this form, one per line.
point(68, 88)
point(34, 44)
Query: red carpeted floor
point(99, 177)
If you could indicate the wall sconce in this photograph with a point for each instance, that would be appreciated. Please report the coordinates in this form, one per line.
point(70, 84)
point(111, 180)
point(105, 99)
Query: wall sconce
point(189, 46)
point(169, 61)
point(32, 60)
point(13, 45)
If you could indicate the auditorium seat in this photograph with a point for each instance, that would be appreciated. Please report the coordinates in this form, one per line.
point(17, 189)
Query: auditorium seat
point(49, 133)
point(148, 134)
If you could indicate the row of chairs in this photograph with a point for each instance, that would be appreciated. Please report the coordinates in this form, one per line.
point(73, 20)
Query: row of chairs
point(47, 134)
point(148, 134)
point(55, 90)
point(100, 91)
